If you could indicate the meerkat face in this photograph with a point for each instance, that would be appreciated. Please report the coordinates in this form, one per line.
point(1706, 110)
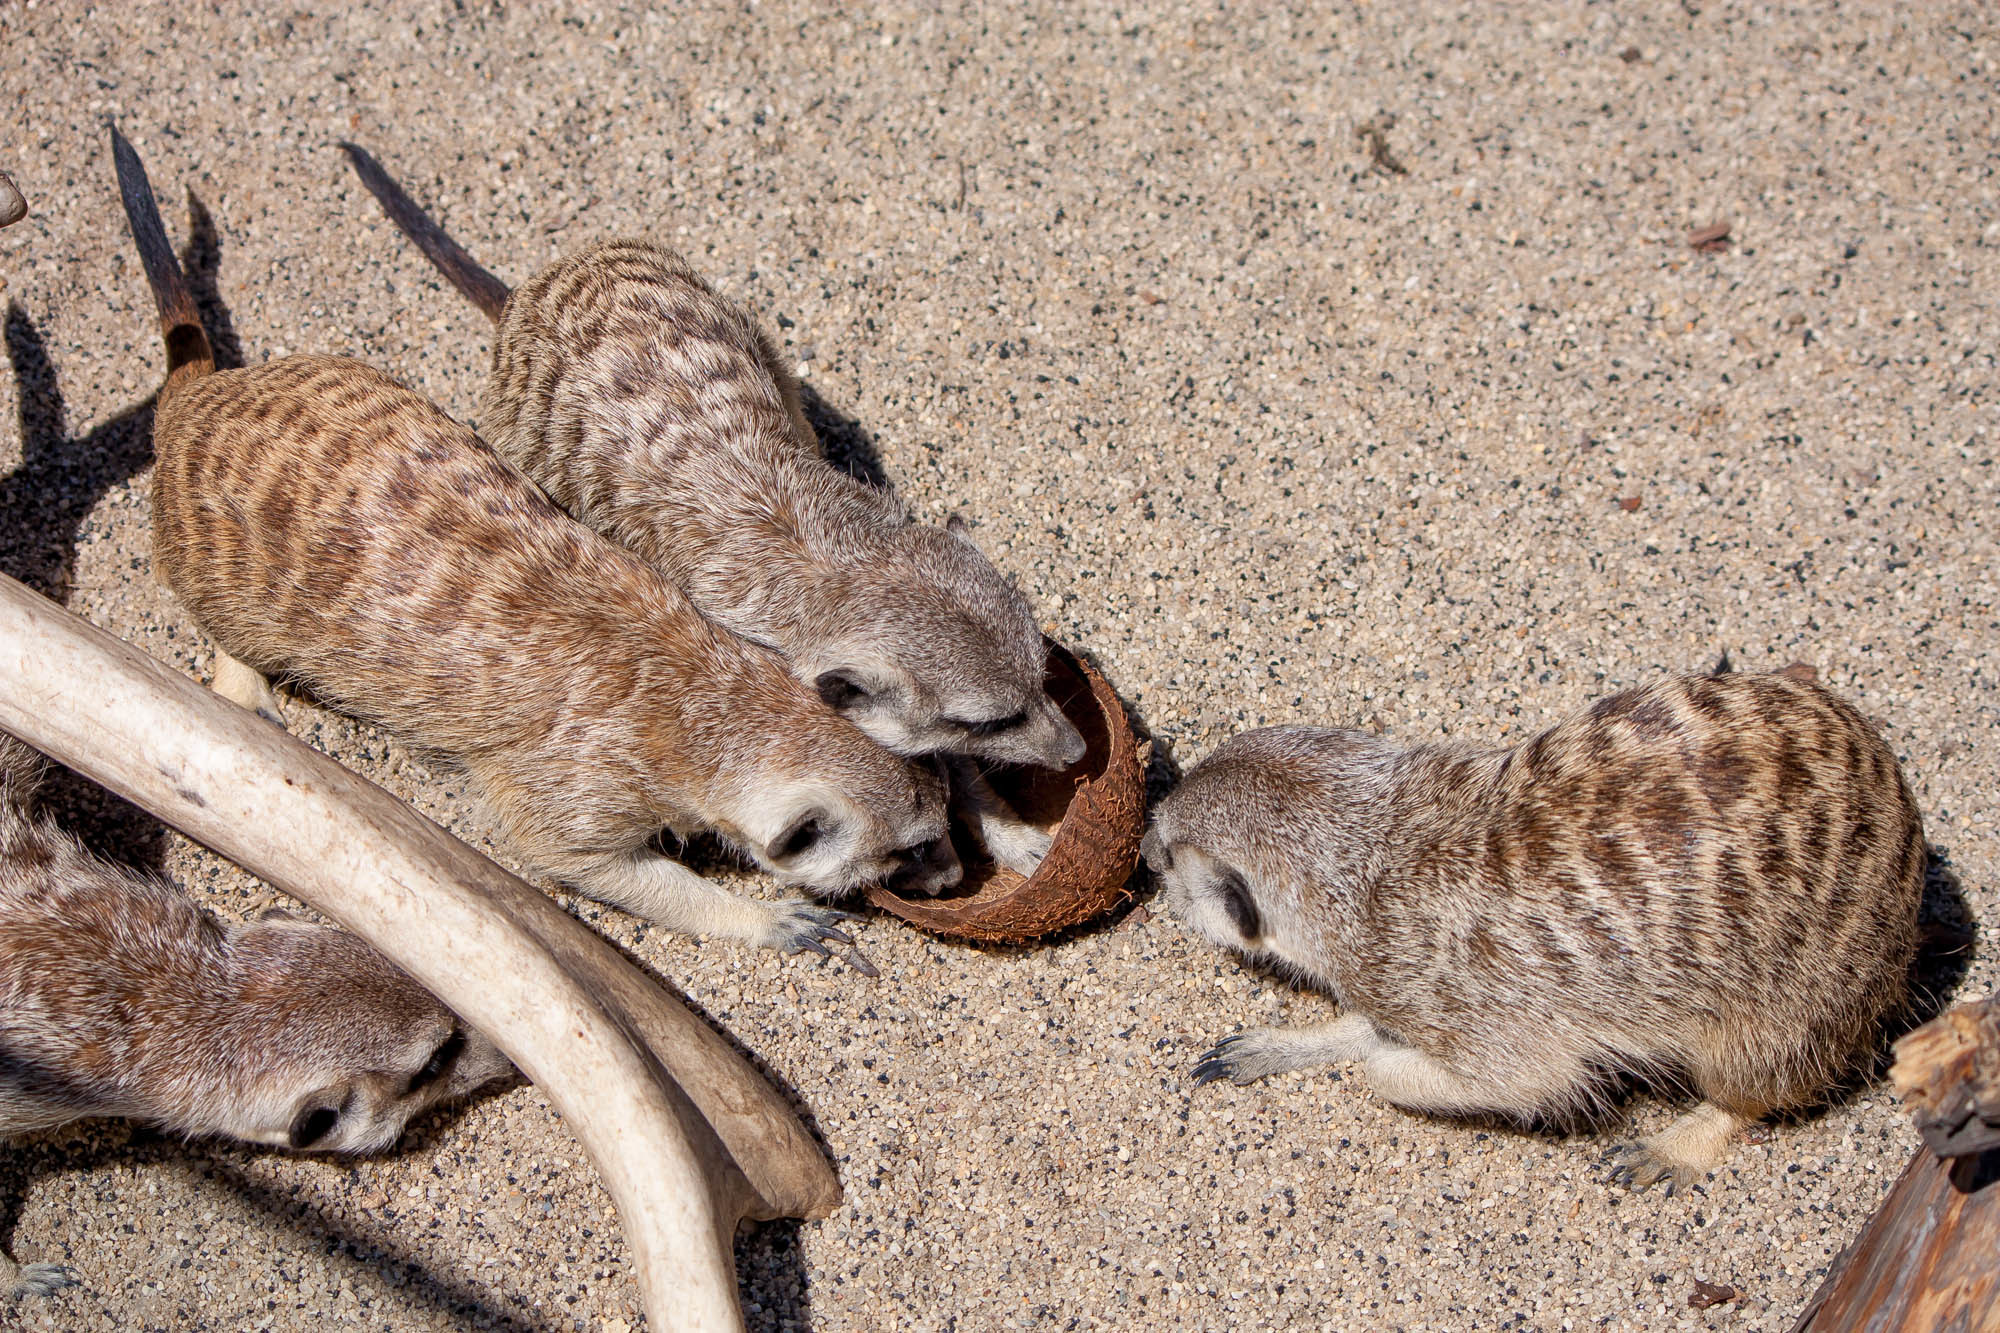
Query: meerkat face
point(885, 824)
point(944, 658)
point(1260, 836)
point(1211, 895)
point(350, 1049)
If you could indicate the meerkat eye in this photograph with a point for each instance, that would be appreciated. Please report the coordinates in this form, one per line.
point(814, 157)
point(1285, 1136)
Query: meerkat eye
point(312, 1125)
point(993, 726)
point(441, 1060)
point(1242, 909)
point(840, 690)
point(801, 838)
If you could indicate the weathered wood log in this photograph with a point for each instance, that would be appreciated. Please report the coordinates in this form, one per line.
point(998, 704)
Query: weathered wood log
point(1929, 1259)
point(1948, 1073)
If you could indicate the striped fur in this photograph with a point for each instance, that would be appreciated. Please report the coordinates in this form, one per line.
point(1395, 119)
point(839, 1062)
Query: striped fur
point(659, 413)
point(325, 524)
point(1714, 878)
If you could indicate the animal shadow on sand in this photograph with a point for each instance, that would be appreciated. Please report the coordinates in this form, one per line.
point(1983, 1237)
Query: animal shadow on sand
point(369, 1246)
point(46, 499)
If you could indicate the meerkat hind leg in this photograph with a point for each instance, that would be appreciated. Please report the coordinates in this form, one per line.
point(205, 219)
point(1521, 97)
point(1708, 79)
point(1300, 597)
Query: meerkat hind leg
point(1009, 839)
point(1249, 1056)
point(1415, 1081)
point(33, 1279)
point(246, 687)
point(1682, 1153)
point(664, 891)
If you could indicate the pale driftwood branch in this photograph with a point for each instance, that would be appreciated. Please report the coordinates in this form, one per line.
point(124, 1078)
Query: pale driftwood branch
point(620, 1060)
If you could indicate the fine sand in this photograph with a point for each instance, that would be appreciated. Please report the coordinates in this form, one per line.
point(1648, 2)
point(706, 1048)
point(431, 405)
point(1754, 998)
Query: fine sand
point(1348, 366)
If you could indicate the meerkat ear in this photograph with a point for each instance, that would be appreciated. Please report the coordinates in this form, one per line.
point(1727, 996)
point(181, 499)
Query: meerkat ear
point(1242, 908)
point(840, 690)
point(959, 528)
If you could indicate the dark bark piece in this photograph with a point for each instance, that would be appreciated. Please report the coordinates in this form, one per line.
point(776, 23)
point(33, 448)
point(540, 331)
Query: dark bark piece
point(1925, 1263)
point(1948, 1073)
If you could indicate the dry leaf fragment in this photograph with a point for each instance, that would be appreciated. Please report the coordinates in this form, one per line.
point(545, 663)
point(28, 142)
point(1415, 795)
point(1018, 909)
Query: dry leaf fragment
point(1711, 238)
point(1706, 1294)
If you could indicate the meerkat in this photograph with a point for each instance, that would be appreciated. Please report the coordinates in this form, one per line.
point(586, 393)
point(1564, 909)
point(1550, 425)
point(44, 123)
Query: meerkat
point(658, 412)
point(325, 524)
point(1713, 880)
point(120, 997)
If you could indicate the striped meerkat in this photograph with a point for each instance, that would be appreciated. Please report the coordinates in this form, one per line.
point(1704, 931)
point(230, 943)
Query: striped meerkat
point(658, 412)
point(1713, 879)
point(323, 523)
point(120, 997)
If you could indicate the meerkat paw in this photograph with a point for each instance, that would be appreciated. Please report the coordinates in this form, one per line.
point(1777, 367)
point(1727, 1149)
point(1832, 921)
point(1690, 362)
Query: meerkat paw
point(246, 687)
point(1021, 848)
point(801, 927)
point(41, 1280)
point(1682, 1154)
point(1011, 841)
point(1249, 1056)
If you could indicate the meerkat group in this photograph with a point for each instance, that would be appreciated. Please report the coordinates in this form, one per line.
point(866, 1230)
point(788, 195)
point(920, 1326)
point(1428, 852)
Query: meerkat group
point(639, 600)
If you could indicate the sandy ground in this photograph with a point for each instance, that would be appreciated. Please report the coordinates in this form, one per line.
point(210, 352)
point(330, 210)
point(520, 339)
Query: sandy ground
point(1449, 440)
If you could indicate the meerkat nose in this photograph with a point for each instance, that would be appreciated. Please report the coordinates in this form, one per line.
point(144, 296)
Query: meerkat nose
point(929, 867)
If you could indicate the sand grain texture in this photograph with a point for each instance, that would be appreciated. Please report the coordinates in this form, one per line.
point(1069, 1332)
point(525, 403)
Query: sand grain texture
point(1271, 431)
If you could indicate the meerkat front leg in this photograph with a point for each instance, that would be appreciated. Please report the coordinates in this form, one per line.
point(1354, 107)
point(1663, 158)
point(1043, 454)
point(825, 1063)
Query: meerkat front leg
point(1249, 1056)
point(1010, 840)
point(1682, 1154)
point(246, 687)
point(663, 890)
point(18, 1280)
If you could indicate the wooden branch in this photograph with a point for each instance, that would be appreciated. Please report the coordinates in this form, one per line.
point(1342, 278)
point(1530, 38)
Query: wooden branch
point(1948, 1071)
point(1930, 1256)
point(688, 1138)
point(1926, 1261)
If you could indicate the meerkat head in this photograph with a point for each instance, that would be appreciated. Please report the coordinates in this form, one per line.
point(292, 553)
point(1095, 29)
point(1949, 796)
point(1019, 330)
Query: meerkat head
point(341, 1048)
point(846, 813)
point(1251, 841)
point(941, 656)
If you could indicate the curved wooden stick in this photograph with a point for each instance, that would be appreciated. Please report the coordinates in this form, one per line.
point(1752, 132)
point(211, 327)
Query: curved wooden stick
point(688, 1138)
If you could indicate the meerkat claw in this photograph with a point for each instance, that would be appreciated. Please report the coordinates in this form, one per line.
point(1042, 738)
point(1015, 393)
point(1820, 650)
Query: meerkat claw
point(797, 927)
point(1220, 1062)
point(1639, 1167)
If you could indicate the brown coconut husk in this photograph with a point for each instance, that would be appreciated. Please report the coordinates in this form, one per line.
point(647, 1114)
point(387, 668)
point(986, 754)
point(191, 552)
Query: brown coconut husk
point(1096, 810)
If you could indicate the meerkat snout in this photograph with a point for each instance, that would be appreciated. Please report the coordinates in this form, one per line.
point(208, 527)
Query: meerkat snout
point(1716, 877)
point(829, 842)
point(354, 1049)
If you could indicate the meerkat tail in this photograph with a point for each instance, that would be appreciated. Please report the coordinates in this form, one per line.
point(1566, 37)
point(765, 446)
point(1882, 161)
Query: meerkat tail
point(480, 287)
point(188, 352)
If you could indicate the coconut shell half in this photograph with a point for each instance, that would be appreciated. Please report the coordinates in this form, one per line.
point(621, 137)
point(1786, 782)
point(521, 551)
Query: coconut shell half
point(1096, 809)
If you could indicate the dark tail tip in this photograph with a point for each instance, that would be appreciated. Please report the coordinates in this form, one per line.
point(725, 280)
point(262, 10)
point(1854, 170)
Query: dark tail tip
point(188, 352)
point(480, 287)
